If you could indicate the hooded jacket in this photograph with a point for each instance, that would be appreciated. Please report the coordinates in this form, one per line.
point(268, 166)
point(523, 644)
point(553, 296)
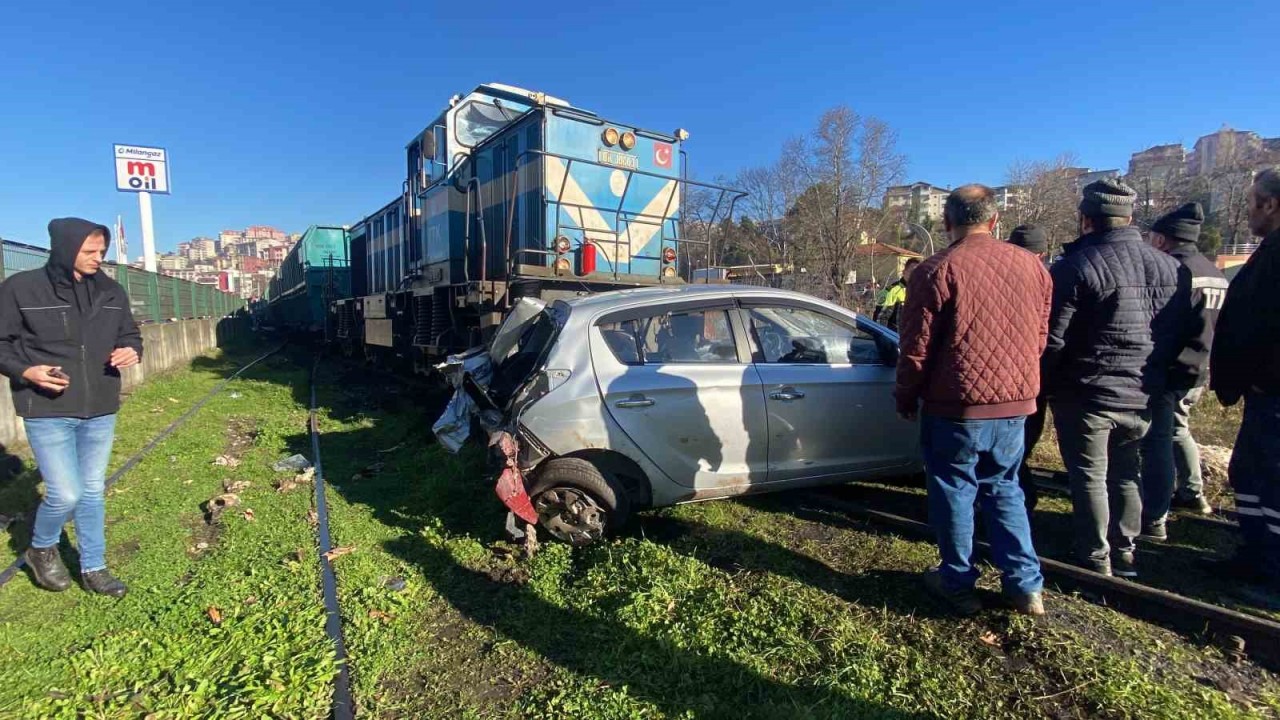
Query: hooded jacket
point(1119, 310)
point(47, 317)
point(1246, 346)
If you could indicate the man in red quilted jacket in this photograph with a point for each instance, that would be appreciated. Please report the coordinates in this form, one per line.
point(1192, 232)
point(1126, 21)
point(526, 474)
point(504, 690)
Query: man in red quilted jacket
point(972, 332)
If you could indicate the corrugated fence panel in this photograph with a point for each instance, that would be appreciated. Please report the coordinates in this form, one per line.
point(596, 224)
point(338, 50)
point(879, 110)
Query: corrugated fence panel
point(153, 297)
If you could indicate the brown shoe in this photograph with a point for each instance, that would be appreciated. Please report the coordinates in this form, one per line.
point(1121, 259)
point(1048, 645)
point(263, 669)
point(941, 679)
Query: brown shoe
point(1027, 603)
point(46, 565)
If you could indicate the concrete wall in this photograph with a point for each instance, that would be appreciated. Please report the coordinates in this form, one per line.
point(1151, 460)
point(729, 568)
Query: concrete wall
point(165, 346)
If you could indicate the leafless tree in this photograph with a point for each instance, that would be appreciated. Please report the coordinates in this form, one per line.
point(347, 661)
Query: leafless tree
point(1047, 196)
point(844, 166)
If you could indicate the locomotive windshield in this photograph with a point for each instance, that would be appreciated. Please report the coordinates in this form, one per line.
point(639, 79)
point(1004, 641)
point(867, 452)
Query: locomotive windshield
point(477, 121)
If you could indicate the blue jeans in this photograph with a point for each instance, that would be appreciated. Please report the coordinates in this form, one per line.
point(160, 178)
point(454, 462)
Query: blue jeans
point(1255, 476)
point(72, 455)
point(979, 459)
point(1170, 458)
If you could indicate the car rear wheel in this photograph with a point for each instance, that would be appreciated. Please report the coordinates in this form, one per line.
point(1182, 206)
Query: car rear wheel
point(577, 503)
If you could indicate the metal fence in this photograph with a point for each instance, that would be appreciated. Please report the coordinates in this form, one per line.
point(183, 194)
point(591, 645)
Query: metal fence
point(153, 297)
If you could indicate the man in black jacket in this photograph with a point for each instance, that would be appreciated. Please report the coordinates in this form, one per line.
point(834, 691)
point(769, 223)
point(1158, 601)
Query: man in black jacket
point(66, 332)
point(1170, 458)
point(1246, 364)
point(1112, 331)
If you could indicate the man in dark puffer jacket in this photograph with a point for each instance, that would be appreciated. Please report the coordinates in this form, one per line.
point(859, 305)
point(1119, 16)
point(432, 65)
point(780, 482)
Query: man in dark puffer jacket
point(1116, 320)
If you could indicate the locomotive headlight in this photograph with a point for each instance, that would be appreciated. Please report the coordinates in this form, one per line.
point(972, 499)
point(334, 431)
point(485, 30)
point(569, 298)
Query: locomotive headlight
point(628, 140)
point(668, 271)
point(562, 245)
point(562, 265)
point(610, 136)
point(682, 134)
point(669, 255)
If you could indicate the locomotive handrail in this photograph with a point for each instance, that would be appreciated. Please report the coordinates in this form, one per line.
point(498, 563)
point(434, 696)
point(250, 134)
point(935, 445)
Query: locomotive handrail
point(682, 183)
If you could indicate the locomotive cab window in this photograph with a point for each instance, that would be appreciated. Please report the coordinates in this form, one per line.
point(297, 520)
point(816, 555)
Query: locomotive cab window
point(476, 121)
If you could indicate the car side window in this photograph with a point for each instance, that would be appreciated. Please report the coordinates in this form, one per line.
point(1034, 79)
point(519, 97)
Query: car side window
point(693, 336)
point(800, 335)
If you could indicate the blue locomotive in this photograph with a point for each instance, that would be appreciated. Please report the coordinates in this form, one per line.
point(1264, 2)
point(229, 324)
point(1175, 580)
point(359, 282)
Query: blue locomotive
point(511, 193)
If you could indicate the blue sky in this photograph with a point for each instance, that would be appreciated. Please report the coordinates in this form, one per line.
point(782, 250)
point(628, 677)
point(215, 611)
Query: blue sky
point(288, 113)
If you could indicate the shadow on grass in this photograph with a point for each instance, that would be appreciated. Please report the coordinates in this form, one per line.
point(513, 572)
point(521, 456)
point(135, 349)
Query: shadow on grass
point(456, 494)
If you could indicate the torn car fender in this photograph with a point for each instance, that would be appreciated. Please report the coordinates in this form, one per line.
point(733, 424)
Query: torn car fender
point(510, 485)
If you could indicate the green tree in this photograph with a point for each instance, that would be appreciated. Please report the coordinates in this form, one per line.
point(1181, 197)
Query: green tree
point(1210, 241)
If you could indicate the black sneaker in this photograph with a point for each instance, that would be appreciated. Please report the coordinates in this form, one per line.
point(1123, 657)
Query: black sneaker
point(1124, 565)
point(1195, 503)
point(103, 583)
point(47, 567)
point(963, 602)
point(1155, 532)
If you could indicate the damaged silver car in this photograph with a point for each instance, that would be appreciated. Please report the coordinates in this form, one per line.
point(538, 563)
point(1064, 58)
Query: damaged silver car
point(602, 405)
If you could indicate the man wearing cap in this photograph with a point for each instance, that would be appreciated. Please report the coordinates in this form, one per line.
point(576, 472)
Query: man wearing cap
point(1031, 238)
point(66, 332)
point(1113, 329)
point(1170, 458)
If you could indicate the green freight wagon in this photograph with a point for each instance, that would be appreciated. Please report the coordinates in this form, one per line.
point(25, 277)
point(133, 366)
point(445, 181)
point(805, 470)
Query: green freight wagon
point(314, 273)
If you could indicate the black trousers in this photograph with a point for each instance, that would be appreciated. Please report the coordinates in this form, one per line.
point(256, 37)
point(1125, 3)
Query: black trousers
point(1031, 435)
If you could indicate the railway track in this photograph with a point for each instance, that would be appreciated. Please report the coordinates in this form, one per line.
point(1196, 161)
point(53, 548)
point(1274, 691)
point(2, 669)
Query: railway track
point(342, 707)
point(1058, 483)
point(1234, 631)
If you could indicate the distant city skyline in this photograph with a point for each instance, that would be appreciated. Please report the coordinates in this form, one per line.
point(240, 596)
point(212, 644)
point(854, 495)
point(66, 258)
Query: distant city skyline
point(297, 132)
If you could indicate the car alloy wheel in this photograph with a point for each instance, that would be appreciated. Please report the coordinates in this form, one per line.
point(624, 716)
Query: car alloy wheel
point(571, 515)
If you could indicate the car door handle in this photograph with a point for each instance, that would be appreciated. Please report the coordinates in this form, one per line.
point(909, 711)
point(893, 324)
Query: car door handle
point(787, 394)
point(635, 401)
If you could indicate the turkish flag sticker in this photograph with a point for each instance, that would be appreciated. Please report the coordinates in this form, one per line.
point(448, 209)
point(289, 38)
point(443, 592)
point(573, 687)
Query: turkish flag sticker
point(662, 153)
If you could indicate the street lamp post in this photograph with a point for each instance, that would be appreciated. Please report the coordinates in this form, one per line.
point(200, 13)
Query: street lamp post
point(915, 229)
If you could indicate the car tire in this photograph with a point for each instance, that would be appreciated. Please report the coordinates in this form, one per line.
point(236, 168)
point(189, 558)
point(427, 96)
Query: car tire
point(576, 502)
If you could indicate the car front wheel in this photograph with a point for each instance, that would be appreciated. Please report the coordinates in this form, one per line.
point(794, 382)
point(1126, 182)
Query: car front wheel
point(577, 503)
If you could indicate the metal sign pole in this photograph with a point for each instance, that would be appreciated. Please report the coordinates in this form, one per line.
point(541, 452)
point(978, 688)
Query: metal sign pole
point(148, 234)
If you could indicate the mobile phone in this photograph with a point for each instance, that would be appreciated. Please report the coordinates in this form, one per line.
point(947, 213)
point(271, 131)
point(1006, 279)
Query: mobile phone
point(57, 372)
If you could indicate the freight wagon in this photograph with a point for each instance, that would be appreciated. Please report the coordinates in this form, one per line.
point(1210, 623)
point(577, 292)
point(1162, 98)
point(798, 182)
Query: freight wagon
point(315, 273)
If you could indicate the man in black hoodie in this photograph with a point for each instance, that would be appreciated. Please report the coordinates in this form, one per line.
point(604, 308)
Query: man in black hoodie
point(66, 332)
point(1170, 458)
point(1246, 364)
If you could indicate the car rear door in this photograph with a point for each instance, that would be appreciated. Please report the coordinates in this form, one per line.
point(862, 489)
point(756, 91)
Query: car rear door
point(678, 381)
point(828, 385)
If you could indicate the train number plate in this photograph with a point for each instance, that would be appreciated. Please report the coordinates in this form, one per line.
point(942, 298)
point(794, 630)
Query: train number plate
point(617, 159)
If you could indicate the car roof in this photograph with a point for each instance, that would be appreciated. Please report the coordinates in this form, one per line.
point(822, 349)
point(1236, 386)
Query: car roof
point(676, 293)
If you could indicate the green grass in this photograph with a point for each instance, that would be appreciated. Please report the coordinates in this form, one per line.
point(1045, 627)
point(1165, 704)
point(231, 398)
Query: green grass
point(770, 607)
point(760, 608)
point(157, 652)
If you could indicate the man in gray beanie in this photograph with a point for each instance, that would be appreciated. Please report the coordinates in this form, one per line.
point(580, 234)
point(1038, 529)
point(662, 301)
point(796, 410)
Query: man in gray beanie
point(1170, 458)
point(1113, 329)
